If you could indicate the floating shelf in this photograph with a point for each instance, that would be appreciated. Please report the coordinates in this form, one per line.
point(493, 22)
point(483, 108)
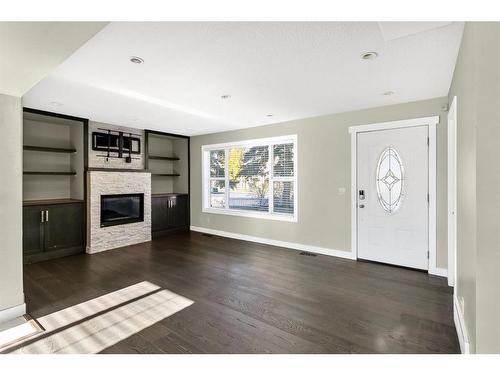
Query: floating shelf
point(49, 149)
point(166, 174)
point(70, 173)
point(163, 157)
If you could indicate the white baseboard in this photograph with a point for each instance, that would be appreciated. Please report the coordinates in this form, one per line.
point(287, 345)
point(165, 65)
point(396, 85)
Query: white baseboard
point(267, 241)
point(460, 326)
point(12, 313)
point(438, 272)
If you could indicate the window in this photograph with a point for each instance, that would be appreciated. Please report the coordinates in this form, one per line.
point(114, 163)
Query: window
point(255, 178)
point(390, 180)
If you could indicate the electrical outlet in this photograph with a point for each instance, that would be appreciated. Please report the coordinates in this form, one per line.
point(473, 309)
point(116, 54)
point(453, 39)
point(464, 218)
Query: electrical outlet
point(341, 190)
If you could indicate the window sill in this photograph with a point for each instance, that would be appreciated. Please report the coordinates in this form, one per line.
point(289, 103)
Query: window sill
point(251, 214)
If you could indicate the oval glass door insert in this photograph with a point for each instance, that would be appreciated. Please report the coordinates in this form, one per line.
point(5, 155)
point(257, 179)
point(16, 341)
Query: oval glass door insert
point(390, 180)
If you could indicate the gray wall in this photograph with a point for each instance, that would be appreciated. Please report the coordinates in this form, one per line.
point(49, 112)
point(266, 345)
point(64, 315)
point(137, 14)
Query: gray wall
point(47, 134)
point(39, 130)
point(488, 177)
point(160, 145)
point(180, 149)
point(464, 87)
point(11, 167)
point(476, 83)
point(323, 169)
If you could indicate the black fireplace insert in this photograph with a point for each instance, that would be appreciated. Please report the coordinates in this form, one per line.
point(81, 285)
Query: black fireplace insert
point(120, 209)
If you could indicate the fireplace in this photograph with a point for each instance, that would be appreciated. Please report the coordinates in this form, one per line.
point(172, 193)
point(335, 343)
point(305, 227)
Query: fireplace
point(120, 209)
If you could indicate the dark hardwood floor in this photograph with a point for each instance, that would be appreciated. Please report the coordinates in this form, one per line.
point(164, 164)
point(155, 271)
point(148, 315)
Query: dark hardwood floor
point(251, 298)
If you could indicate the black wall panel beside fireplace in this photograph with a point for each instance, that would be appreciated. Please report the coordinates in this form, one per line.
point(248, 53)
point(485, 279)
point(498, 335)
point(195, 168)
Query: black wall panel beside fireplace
point(118, 209)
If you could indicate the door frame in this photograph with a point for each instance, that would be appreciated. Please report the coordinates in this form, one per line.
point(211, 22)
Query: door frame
point(431, 123)
point(452, 194)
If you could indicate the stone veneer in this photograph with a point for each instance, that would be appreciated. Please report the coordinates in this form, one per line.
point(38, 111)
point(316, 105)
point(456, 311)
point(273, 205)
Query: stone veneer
point(104, 182)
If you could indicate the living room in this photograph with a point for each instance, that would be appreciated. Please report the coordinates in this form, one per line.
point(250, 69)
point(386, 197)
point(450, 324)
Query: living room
point(249, 187)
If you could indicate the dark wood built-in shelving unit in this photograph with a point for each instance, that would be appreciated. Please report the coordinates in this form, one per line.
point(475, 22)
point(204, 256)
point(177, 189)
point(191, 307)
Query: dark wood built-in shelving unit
point(167, 155)
point(49, 149)
point(54, 210)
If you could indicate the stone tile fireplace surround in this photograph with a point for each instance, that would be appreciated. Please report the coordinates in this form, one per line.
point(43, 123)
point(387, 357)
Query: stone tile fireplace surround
point(116, 182)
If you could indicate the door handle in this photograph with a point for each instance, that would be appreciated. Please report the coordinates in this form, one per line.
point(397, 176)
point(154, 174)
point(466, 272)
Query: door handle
point(42, 216)
point(361, 206)
point(46, 215)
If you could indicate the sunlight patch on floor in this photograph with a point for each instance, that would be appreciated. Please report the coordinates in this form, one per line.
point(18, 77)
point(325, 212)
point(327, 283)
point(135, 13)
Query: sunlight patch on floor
point(113, 318)
point(85, 309)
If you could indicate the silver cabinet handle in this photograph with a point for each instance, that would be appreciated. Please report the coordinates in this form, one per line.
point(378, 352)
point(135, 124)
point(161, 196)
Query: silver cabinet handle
point(46, 215)
point(42, 216)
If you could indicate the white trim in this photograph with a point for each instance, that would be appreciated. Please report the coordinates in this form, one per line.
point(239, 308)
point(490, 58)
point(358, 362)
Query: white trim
point(452, 194)
point(354, 194)
point(432, 120)
point(461, 327)
point(12, 312)
point(267, 241)
point(431, 123)
point(439, 271)
point(432, 223)
point(243, 213)
point(247, 142)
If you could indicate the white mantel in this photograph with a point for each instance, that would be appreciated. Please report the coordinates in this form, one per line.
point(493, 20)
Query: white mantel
point(116, 182)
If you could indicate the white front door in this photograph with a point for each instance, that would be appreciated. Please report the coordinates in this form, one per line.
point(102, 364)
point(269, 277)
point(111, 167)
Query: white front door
point(392, 196)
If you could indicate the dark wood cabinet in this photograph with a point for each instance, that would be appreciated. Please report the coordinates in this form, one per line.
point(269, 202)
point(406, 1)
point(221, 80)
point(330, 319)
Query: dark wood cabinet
point(52, 230)
point(32, 230)
point(169, 212)
point(63, 226)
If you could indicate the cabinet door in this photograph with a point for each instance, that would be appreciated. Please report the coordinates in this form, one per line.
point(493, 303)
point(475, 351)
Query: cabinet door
point(171, 212)
point(64, 226)
point(178, 211)
point(159, 212)
point(182, 210)
point(32, 229)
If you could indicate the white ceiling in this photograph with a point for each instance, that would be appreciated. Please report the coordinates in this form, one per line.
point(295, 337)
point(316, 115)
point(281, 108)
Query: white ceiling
point(290, 70)
point(30, 50)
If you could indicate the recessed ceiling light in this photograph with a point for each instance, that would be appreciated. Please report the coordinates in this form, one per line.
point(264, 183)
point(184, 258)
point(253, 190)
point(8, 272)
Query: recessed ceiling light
point(225, 96)
point(269, 115)
point(136, 60)
point(369, 55)
point(388, 93)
